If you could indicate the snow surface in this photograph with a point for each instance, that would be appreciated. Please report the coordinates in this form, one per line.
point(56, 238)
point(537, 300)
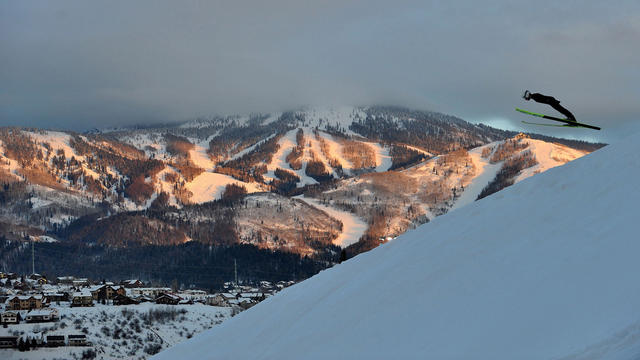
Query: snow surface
point(249, 149)
point(383, 159)
point(209, 186)
point(418, 150)
point(151, 140)
point(544, 269)
point(197, 318)
point(335, 151)
point(200, 157)
point(353, 227)
point(37, 203)
point(341, 116)
point(286, 143)
point(485, 173)
point(57, 140)
point(549, 155)
point(11, 166)
point(47, 239)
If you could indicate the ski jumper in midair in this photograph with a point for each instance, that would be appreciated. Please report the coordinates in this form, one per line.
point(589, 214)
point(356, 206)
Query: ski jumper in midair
point(549, 100)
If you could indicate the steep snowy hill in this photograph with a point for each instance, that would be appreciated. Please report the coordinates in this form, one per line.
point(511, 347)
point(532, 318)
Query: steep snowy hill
point(545, 269)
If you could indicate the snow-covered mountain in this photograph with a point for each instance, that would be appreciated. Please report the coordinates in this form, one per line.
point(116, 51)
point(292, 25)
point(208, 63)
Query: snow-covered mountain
point(545, 269)
point(379, 170)
point(303, 189)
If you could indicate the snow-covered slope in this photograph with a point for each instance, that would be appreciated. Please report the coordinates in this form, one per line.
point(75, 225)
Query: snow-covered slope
point(353, 227)
point(209, 186)
point(545, 269)
point(548, 155)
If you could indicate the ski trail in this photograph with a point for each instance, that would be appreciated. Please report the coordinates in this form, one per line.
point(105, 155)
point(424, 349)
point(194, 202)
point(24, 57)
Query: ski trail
point(200, 157)
point(383, 158)
point(485, 173)
point(353, 227)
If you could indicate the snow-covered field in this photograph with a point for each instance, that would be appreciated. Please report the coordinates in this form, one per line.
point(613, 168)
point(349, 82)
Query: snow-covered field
point(549, 155)
point(200, 157)
point(119, 332)
point(544, 269)
point(209, 186)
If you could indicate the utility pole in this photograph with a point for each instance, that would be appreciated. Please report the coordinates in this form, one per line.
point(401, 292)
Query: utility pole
point(33, 258)
point(235, 270)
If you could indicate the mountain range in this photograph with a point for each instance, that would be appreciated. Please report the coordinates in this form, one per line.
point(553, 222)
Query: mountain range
point(311, 182)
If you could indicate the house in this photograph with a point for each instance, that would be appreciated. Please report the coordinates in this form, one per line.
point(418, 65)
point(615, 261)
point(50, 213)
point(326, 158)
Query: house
point(78, 340)
point(25, 302)
point(8, 342)
point(216, 300)
point(10, 317)
point(11, 276)
point(247, 300)
point(55, 340)
point(194, 295)
point(38, 278)
point(80, 282)
point(283, 284)
point(106, 292)
point(124, 300)
point(246, 304)
point(65, 280)
point(143, 298)
point(51, 297)
point(83, 298)
point(168, 299)
point(133, 283)
point(150, 292)
point(223, 299)
point(266, 286)
point(21, 285)
point(253, 296)
point(42, 315)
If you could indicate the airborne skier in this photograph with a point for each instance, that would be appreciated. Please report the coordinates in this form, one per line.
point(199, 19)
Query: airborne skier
point(549, 100)
point(569, 121)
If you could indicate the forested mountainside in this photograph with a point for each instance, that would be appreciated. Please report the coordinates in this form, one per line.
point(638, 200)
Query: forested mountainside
point(306, 182)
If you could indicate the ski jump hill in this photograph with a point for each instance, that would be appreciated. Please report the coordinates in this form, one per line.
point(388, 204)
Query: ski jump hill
point(545, 269)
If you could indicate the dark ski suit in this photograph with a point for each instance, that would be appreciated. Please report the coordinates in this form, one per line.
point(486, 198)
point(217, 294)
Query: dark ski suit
point(550, 100)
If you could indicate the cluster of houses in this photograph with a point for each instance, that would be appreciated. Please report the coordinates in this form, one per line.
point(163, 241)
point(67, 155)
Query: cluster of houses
point(33, 299)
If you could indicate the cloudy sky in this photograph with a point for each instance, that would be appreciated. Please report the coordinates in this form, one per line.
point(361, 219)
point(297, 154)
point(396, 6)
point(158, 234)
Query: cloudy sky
point(84, 64)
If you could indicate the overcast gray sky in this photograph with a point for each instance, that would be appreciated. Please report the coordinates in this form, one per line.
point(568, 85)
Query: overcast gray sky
point(83, 64)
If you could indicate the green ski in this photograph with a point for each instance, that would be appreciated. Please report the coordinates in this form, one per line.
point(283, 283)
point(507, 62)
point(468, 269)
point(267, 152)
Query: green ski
point(566, 121)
